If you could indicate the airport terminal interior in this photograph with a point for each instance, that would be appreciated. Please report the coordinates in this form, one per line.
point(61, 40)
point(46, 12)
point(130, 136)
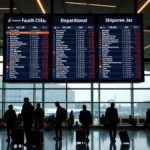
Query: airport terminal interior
point(130, 98)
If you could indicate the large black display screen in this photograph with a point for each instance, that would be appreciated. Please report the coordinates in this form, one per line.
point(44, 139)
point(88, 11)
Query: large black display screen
point(73, 43)
point(26, 48)
point(120, 45)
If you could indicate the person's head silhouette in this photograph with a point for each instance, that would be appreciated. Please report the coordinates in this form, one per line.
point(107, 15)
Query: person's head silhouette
point(26, 100)
point(38, 105)
point(57, 104)
point(112, 105)
point(84, 107)
point(10, 107)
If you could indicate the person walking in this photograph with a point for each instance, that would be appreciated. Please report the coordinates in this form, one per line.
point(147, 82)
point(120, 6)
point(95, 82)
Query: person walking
point(58, 127)
point(27, 114)
point(112, 118)
point(71, 119)
point(85, 119)
point(10, 116)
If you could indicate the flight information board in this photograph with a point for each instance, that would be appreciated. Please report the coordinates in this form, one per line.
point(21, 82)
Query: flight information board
point(120, 44)
point(26, 48)
point(73, 43)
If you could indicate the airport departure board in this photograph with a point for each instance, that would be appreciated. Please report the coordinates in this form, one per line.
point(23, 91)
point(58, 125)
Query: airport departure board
point(26, 48)
point(73, 42)
point(120, 47)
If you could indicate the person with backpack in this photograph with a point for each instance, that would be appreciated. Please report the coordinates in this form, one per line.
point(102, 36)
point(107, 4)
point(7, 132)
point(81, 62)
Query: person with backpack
point(10, 116)
point(59, 118)
point(85, 119)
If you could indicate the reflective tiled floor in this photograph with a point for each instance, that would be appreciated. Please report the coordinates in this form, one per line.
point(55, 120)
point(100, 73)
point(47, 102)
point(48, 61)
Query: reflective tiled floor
point(99, 140)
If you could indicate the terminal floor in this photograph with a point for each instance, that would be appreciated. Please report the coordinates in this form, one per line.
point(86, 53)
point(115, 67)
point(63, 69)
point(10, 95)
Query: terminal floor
point(99, 140)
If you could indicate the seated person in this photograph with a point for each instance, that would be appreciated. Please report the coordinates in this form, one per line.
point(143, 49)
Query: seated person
point(76, 125)
point(132, 121)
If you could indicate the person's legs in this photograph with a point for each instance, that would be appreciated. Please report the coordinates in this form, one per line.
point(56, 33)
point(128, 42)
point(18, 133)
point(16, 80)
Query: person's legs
point(114, 131)
point(110, 131)
point(27, 129)
point(87, 131)
point(56, 130)
point(60, 130)
point(8, 134)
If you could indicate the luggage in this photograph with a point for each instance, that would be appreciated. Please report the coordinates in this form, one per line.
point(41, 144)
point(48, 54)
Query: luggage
point(124, 137)
point(17, 136)
point(36, 136)
point(80, 136)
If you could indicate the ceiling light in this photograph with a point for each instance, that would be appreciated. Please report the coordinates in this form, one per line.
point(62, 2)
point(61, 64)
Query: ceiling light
point(147, 47)
point(41, 6)
point(144, 5)
point(7, 8)
point(100, 5)
point(146, 30)
point(75, 3)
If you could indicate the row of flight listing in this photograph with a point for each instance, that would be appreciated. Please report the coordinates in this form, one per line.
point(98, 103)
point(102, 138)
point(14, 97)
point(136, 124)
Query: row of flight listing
point(73, 48)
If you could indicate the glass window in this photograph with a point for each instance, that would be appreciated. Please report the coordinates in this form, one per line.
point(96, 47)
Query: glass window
point(115, 95)
point(141, 96)
point(124, 109)
point(145, 84)
point(95, 85)
point(38, 85)
point(55, 85)
point(55, 95)
point(38, 95)
point(0, 95)
point(115, 85)
point(79, 85)
point(79, 95)
point(16, 85)
point(1, 58)
point(146, 68)
point(18, 95)
point(95, 98)
point(1, 110)
point(1, 68)
point(1, 82)
point(77, 107)
point(140, 109)
point(50, 109)
point(95, 114)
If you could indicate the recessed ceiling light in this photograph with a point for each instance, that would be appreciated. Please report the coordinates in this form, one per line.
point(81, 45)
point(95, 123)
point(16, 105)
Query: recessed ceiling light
point(41, 6)
point(147, 47)
point(99, 5)
point(7, 8)
point(146, 30)
point(143, 6)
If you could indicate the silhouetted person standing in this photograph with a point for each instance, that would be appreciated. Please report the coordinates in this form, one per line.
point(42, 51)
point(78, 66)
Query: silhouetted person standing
point(10, 116)
point(27, 115)
point(71, 119)
point(58, 127)
point(38, 115)
point(85, 118)
point(112, 118)
point(148, 117)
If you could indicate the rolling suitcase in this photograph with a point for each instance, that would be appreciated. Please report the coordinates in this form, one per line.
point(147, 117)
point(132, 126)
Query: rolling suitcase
point(36, 136)
point(80, 136)
point(124, 137)
point(17, 136)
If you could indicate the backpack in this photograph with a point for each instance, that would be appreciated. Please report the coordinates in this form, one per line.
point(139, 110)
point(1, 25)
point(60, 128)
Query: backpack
point(64, 114)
